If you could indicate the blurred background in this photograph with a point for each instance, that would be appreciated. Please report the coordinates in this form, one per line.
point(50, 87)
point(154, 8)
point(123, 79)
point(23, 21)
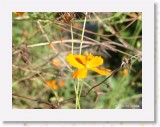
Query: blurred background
point(41, 77)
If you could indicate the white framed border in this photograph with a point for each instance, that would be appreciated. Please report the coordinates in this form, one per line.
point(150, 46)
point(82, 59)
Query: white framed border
point(9, 114)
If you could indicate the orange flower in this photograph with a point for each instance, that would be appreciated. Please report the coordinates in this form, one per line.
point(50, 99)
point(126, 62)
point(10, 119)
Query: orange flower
point(56, 63)
point(85, 63)
point(52, 84)
point(20, 13)
point(62, 83)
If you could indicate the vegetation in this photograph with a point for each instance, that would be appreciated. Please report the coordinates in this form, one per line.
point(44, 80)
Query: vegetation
point(82, 60)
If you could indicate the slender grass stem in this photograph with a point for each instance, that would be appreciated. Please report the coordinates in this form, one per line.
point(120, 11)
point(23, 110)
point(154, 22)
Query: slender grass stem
point(75, 89)
point(84, 24)
point(77, 95)
point(81, 86)
point(72, 38)
point(78, 92)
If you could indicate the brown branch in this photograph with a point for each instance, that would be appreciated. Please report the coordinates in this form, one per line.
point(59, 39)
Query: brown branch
point(91, 32)
point(31, 99)
point(99, 43)
point(113, 72)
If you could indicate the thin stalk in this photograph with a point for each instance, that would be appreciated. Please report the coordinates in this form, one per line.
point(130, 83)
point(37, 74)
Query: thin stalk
point(84, 24)
point(77, 95)
point(81, 89)
point(72, 38)
point(75, 89)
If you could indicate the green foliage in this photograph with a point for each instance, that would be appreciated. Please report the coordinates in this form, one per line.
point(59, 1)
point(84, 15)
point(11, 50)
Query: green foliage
point(122, 90)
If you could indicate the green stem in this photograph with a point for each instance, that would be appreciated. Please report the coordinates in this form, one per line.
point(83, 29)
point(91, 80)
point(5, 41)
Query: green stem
point(75, 89)
point(72, 38)
point(84, 24)
point(77, 96)
point(81, 89)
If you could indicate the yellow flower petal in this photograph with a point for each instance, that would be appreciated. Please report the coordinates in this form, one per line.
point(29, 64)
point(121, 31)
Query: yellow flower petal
point(81, 59)
point(89, 57)
point(85, 63)
point(101, 71)
point(72, 60)
point(81, 73)
point(94, 62)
